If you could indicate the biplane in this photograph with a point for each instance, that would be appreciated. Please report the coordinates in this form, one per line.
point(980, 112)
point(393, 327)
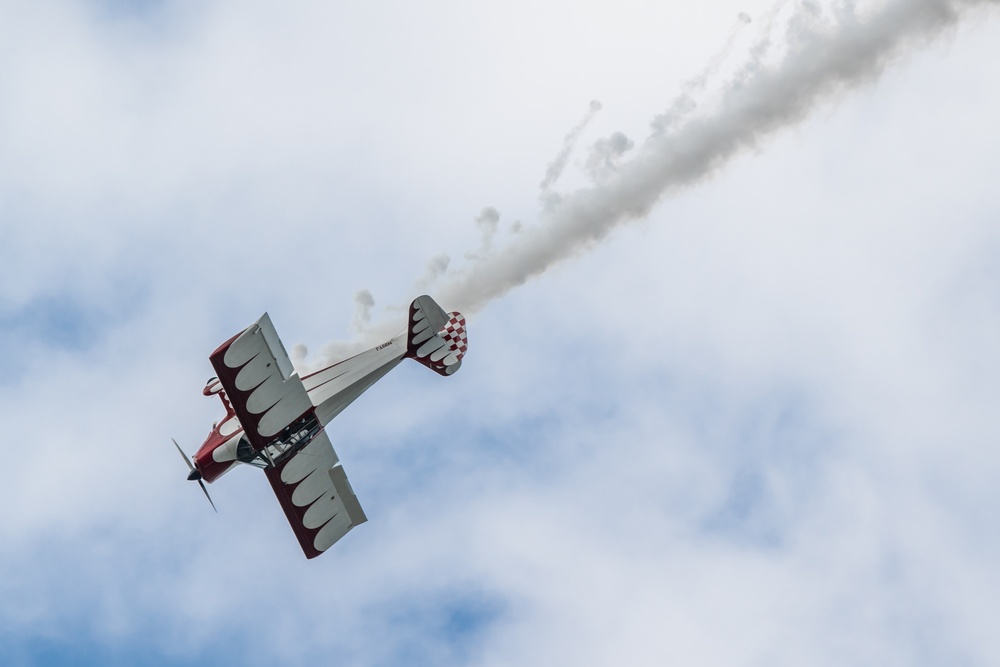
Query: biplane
point(276, 420)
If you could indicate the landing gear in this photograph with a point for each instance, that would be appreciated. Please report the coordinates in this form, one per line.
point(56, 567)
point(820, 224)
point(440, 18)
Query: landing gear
point(292, 438)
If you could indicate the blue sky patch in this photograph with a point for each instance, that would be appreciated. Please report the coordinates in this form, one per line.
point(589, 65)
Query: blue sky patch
point(129, 7)
point(779, 440)
point(81, 650)
point(453, 623)
point(60, 321)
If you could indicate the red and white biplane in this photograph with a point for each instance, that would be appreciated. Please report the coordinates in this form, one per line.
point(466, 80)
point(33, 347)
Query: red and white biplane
point(276, 420)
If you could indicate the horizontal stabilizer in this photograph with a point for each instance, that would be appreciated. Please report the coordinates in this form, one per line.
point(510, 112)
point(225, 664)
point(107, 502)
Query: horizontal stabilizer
point(436, 339)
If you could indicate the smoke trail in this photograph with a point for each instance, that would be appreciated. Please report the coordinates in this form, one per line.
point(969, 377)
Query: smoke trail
point(686, 101)
point(337, 350)
point(436, 268)
point(558, 164)
point(605, 155)
point(363, 304)
point(487, 221)
point(824, 57)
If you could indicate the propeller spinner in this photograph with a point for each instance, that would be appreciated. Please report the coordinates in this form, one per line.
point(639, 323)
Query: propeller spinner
point(194, 475)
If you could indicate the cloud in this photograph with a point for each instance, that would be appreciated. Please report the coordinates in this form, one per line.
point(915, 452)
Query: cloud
point(768, 421)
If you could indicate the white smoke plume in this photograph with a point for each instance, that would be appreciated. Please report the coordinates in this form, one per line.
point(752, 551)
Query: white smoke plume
point(487, 221)
point(605, 155)
point(299, 353)
point(687, 99)
point(436, 267)
point(558, 165)
point(820, 55)
point(825, 56)
point(363, 304)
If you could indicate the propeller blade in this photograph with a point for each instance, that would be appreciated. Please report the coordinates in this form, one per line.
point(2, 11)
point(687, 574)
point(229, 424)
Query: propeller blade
point(195, 475)
point(183, 455)
point(202, 484)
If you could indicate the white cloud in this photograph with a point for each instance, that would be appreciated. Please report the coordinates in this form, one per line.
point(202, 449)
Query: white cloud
point(756, 426)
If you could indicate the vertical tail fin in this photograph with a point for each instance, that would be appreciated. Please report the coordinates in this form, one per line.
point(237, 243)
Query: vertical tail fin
point(436, 339)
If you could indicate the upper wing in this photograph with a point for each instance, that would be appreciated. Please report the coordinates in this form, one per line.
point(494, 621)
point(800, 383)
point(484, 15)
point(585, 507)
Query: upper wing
point(266, 393)
point(317, 498)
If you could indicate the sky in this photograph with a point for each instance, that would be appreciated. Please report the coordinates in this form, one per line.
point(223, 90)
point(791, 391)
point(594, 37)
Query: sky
point(731, 277)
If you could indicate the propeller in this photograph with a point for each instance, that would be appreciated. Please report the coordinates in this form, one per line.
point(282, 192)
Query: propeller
point(194, 475)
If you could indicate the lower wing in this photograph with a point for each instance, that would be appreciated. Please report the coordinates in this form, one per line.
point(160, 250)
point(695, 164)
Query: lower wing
point(318, 501)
